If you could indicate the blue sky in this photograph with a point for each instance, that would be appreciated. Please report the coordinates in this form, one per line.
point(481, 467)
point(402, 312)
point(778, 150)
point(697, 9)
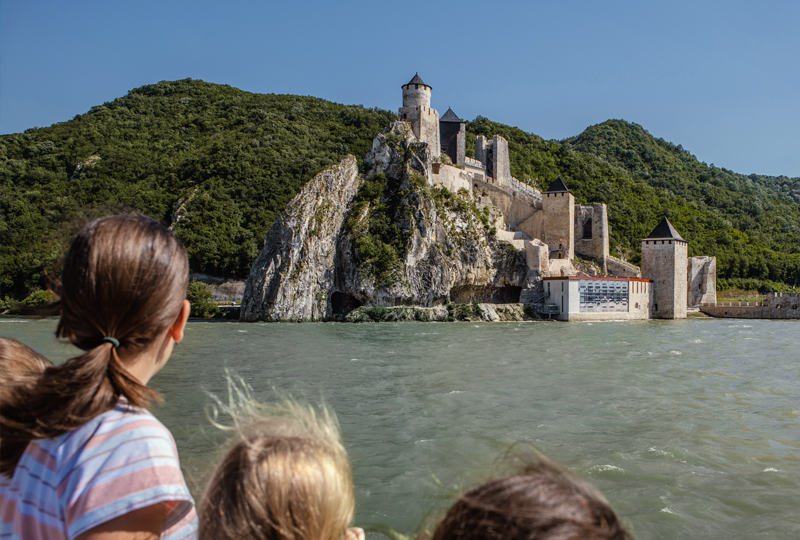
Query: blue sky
point(720, 78)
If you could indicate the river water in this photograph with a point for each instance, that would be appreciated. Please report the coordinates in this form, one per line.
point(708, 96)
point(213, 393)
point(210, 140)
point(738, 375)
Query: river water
point(689, 427)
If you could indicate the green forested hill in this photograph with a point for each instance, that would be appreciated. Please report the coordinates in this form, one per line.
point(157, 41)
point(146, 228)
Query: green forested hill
point(752, 224)
point(221, 164)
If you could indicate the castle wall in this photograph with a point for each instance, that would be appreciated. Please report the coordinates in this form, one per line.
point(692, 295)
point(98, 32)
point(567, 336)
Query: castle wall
point(784, 305)
point(518, 207)
point(558, 222)
point(619, 268)
point(537, 255)
point(452, 178)
point(702, 284)
point(665, 263)
point(775, 306)
point(737, 310)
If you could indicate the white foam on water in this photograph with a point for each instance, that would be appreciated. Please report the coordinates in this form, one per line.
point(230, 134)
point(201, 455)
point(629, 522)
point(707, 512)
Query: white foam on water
point(601, 468)
point(696, 341)
point(772, 469)
point(667, 511)
point(242, 331)
point(675, 352)
point(456, 392)
point(354, 359)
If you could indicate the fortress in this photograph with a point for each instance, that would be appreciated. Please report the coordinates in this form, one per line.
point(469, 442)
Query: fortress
point(553, 230)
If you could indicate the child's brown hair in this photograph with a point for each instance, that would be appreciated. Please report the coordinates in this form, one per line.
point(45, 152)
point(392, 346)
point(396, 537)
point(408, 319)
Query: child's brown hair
point(20, 365)
point(287, 477)
point(123, 284)
point(543, 501)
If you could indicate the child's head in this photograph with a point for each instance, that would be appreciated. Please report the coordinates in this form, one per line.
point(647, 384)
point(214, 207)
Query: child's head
point(123, 289)
point(287, 477)
point(19, 364)
point(542, 502)
point(124, 277)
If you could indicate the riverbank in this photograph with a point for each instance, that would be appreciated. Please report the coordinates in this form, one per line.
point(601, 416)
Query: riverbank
point(470, 312)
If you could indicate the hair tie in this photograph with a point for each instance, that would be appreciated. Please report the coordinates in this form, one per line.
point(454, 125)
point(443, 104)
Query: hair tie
point(113, 341)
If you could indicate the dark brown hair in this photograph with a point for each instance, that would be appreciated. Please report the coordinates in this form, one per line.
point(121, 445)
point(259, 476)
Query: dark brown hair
point(542, 502)
point(124, 277)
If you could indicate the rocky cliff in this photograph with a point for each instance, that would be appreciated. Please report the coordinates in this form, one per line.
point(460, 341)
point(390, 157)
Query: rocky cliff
point(387, 239)
point(293, 274)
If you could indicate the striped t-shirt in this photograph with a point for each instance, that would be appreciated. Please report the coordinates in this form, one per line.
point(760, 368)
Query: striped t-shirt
point(120, 461)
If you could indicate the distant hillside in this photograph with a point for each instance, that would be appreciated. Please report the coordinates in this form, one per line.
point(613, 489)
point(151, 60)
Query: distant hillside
point(752, 224)
point(221, 164)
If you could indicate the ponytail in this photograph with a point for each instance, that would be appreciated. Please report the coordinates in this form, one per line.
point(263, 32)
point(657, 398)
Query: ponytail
point(124, 276)
point(64, 398)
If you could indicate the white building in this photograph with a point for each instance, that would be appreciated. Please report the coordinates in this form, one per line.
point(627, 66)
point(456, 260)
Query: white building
point(579, 298)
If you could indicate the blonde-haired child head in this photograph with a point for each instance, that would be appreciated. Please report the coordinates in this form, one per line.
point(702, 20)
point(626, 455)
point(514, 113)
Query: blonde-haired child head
point(286, 477)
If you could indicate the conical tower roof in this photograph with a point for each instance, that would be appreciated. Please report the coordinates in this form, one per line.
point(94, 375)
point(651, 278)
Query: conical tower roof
point(664, 230)
point(417, 80)
point(450, 116)
point(557, 185)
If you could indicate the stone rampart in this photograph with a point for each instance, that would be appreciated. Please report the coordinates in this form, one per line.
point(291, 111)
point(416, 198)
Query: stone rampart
point(452, 178)
point(776, 306)
point(518, 207)
point(619, 268)
point(784, 305)
point(474, 163)
point(737, 310)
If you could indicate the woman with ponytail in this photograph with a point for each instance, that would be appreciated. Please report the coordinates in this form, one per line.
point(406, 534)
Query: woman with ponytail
point(80, 455)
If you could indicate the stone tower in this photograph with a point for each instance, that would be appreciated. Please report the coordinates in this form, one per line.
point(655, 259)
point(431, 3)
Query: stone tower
point(664, 261)
point(494, 156)
point(416, 110)
point(452, 136)
point(558, 220)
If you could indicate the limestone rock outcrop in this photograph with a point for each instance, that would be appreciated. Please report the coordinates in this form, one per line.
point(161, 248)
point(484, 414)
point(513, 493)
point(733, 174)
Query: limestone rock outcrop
point(294, 271)
point(315, 267)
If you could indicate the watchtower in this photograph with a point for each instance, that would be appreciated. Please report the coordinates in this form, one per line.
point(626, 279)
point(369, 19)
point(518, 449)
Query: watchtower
point(452, 136)
point(558, 221)
point(664, 261)
point(416, 110)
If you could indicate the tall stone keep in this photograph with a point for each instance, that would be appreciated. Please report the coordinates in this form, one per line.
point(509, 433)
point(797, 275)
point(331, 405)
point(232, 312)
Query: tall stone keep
point(558, 220)
point(664, 261)
point(416, 110)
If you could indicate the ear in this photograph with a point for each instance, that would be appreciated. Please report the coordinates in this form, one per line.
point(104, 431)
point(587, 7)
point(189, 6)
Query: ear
point(176, 330)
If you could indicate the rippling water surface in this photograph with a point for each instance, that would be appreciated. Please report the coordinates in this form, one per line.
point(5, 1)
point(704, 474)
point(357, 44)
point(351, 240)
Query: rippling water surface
point(689, 427)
